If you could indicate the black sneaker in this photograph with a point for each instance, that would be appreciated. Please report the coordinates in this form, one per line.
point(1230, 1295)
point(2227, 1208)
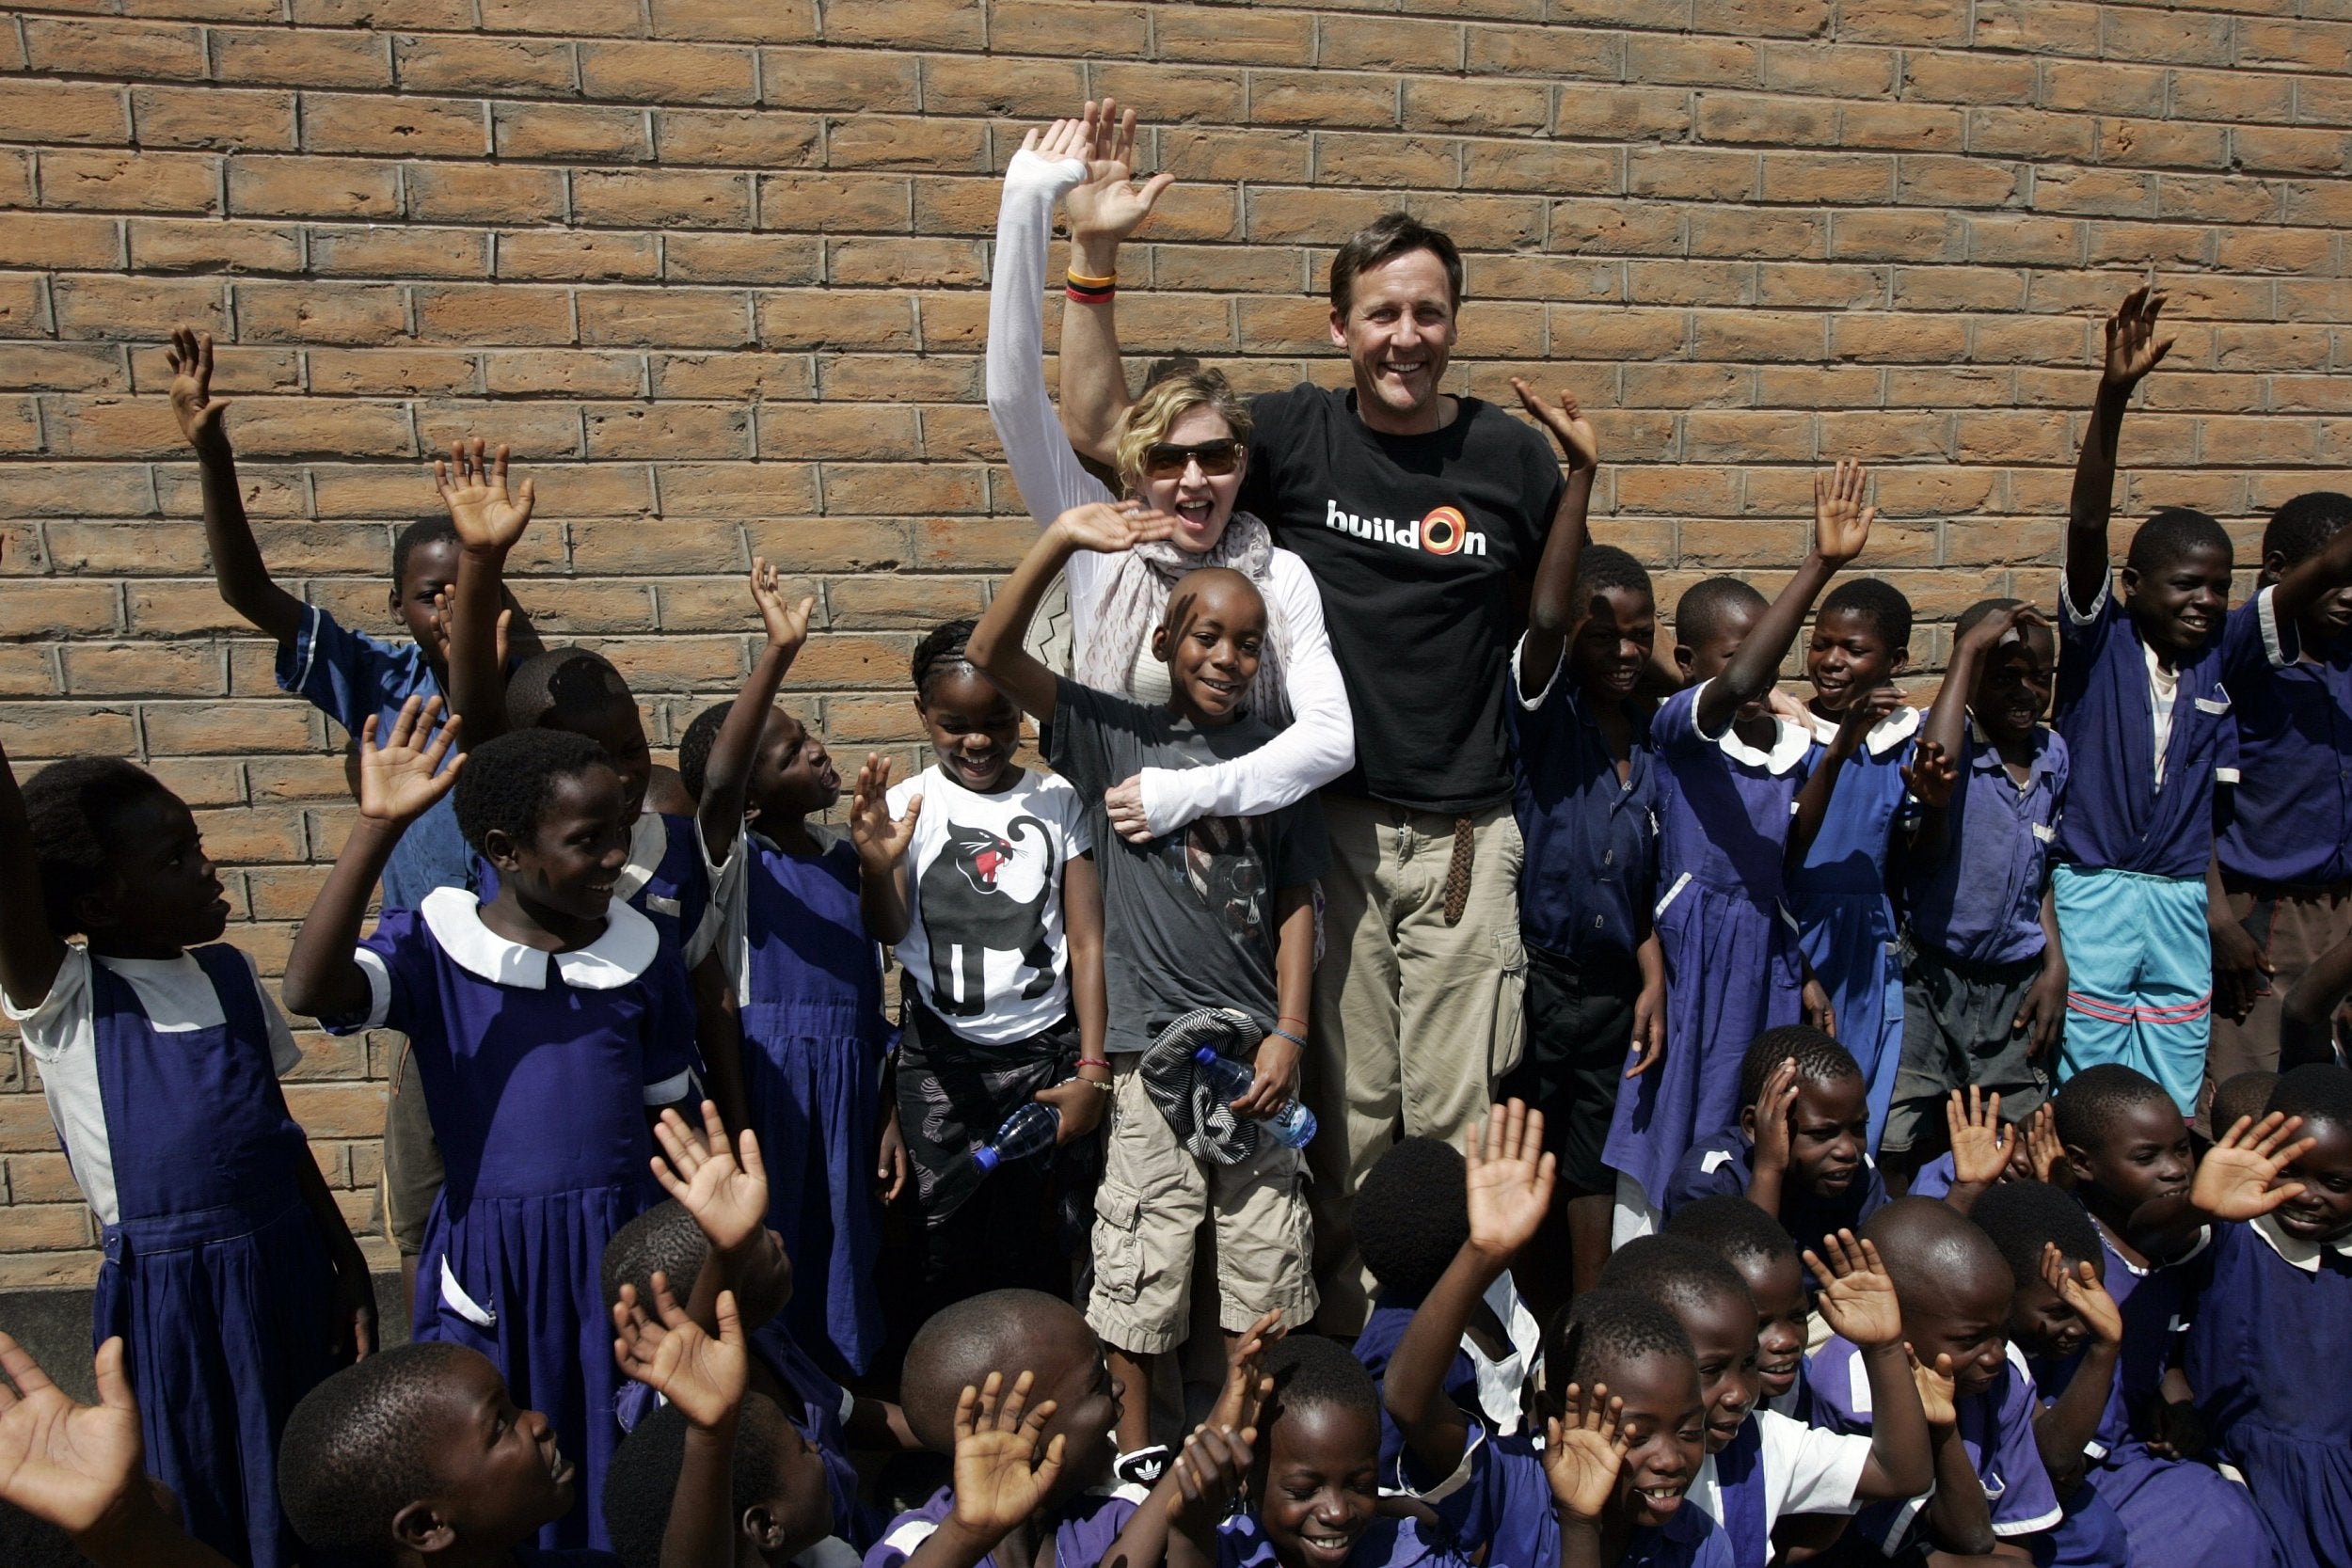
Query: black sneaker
point(1144, 1466)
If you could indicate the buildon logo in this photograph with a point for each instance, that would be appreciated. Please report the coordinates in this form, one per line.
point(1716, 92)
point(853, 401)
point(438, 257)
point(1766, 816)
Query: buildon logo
point(1443, 532)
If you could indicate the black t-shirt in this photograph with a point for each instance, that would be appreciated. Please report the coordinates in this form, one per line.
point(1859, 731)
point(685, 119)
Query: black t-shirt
point(1422, 546)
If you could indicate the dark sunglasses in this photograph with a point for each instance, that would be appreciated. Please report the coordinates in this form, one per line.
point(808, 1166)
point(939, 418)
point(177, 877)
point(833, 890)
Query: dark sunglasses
point(1167, 459)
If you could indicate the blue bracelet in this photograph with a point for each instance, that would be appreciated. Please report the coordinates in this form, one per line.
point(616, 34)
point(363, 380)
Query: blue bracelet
point(1288, 1036)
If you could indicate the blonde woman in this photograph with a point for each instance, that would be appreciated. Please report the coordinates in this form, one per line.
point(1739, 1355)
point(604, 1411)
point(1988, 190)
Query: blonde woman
point(1182, 451)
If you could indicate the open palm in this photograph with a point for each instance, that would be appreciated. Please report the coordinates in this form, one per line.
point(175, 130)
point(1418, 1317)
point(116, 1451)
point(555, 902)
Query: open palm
point(1510, 1179)
point(1841, 524)
point(1108, 528)
point(190, 358)
point(1980, 1143)
point(1938, 1389)
point(1857, 1295)
point(2133, 347)
point(400, 779)
point(1108, 204)
point(786, 623)
point(66, 1463)
point(880, 842)
point(2080, 1288)
point(672, 1355)
point(2233, 1179)
point(726, 1194)
point(1583, 1452)
point(473, 485)
point(996, 1445)
point(1579, 441)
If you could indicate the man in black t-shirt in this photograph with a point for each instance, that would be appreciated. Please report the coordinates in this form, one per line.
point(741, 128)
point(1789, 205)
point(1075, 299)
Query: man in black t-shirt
point(1422, 516)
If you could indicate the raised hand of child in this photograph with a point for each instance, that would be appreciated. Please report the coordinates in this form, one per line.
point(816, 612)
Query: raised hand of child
point(1938, 1388)
point(880, 842)
point(2133, 347)
point(1109, 204)
point(1997, 628)
point(1579, 441)
point(400, 779)
point(1247, 1384)
point(1857, 1297)
point(473, 485)
point(1112, 528)
point(727, 1193)
point(441, 609)
point(1584, 1448)
point(1510, 1180)
point(672, 1355)
point(1841, 524)
point(999, 1478)
point(2044, 1152)
point(1980, 1142)
point(1209, 1470)
point(1931, 775)
point(67, 1464)
point(1862, 715)
point(190, 358)
point(1776, 1124)
point(2080, 1288)
point(2233, 1179)
point(786, 623)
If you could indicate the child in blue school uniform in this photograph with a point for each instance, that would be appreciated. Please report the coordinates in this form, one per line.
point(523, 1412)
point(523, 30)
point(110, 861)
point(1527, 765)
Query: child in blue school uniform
point(807, 983)
point(1991, 1489)
point(1584, 788)
point(228, 1273)
point(1799, 1150)
point(1984, 975)
point(1504, 1497)
point(1731, 772)
point(1762, 1466)
point(543, 1025)
point(1753, 1244)
point(1846, 920)
point(2285, 847)
point(2271, 1323)
point(2127, 1153)
point(2144, 706)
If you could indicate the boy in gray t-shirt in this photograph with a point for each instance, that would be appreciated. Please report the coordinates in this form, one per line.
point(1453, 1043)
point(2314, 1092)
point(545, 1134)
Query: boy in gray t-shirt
point(1218, 914)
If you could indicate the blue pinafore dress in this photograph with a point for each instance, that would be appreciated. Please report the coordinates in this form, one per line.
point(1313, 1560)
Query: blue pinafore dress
point(814, 1040)
point(1739, 1483)
point(1844, 919)
point(216, 1275)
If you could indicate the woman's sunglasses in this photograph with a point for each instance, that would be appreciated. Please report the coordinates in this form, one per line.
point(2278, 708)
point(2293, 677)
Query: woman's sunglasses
point(1167, 459)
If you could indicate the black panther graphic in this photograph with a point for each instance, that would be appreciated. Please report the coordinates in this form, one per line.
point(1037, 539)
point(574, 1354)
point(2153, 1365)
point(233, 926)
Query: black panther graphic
point(966, 915)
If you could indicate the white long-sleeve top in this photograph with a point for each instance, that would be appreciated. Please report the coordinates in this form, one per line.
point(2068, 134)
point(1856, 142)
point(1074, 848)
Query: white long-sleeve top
point(1320, 743)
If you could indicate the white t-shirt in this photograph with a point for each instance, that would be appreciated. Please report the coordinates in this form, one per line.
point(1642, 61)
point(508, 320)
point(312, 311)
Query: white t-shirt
point(1807, 1469)
point(177, 998)
point(2164, 689)
point(985, 946)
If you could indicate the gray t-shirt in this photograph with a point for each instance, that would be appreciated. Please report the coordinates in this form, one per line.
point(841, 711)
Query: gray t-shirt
point(1188, 919)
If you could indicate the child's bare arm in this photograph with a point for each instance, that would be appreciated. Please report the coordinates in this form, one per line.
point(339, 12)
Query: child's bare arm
point(2133, 350)
point(1107, 528)
point(1509, 1185)
point(351, 1331)
point(881, 841)
point(1857, 1299)
point(1552, 613)
point(238, 570)
point(705, 1376)
point(398, 784)
point(1813, 799)
point(2304, 1014)
point(726, 778)
point(489, 521)
point(1841, 526)
point(719, 1036)
point(1081, 1099)
point(30, 952)
point(1274, 1082)
point(80, 1466)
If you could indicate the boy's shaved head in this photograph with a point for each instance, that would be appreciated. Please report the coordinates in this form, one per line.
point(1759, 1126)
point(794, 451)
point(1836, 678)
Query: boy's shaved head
point(1233, 595)
point(1705, 606)
point(1001, 1331)
point(1931, 1248)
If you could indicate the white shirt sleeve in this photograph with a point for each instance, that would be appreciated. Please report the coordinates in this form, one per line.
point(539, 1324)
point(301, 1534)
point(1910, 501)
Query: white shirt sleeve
point(1037, 452)
point(1319, 746)
point(1809, 1470)
point(283, 1053)
point(53, 1024)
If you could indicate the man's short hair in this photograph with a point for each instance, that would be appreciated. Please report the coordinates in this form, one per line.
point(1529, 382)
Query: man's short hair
point(1386, 238)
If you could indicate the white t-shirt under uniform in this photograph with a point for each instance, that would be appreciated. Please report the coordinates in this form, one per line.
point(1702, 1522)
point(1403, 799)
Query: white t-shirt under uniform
point(1807, 1469)
point(985, 946)
point(177, 997)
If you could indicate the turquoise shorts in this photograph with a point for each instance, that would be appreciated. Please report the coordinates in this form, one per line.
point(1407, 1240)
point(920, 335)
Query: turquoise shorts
point(2139, 976)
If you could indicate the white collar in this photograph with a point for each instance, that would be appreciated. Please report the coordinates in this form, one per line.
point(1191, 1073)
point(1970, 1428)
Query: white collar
point(1887, 734)
point(2303, 1255)
point(1790, 741)
point(612, 961)
point(648, 841)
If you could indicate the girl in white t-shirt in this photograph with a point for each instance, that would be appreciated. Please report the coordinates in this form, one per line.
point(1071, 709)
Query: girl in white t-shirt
point(980, 872)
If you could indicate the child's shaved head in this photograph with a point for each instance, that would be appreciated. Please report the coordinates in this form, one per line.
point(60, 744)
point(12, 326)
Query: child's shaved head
point(1001, 1331)
point(1217, 590)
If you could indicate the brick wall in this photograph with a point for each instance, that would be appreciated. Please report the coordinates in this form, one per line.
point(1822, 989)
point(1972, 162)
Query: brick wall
point(716, 268)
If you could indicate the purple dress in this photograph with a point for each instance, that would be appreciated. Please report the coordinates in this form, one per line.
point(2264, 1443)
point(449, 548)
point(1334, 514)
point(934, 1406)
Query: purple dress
point(814, 1039)
point(214, 1273)
point(1845, 920)
point(1498, 1506)
point(1731, 948)
point(666, 879)
point(2271, 1336)
point(2176, 1511)
point(1083, 1534)
point(537, 1069)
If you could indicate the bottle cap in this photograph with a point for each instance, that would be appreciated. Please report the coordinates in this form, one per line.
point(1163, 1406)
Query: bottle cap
point(987, 1158)
point(1205, 1054)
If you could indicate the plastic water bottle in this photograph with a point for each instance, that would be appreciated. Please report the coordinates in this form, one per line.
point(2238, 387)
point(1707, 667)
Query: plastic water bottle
point(1031, 1130)
point(1293, 1124)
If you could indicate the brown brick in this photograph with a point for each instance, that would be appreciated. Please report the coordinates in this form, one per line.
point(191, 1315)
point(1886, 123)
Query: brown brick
point(313, 187)
point(683, 317)
point(783, 21)
point(633, 198)
point(749, 137)
point(485, 193)
point(400, 127)
point(56, 240)
point(380, 250)
point(507, 67)
point(102, 307)
point(64, 111)
point(139, 51)
point(592, 133)
point(915, 23)
point(304, 58)
point(131, 182)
